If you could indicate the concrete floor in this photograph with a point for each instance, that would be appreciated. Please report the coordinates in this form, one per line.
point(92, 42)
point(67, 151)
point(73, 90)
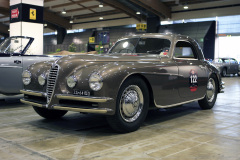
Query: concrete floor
point(179, 133)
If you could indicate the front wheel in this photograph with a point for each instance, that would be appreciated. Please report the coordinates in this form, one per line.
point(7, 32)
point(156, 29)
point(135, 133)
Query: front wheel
point(211, 94)
point(49, 114)
point(131, 106)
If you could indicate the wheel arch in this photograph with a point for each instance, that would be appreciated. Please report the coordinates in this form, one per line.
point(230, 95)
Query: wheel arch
point(150, 91)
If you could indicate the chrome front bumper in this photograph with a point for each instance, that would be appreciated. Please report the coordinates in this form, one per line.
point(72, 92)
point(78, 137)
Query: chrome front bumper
point(222, 86)
point(68, 97)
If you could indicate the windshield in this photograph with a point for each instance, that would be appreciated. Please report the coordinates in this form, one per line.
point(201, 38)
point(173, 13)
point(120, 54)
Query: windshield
point(142, 45)
point(14, 45)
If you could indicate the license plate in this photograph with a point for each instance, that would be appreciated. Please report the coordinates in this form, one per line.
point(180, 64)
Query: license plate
point(81, 93)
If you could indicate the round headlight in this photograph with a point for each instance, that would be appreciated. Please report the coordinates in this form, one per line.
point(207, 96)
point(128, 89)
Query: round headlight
point(95, 82)
point(26, 77)
point(42, 79)
point(71, 81)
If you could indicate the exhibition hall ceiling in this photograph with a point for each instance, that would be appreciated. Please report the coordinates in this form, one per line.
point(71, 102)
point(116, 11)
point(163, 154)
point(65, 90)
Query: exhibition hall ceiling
point(90, 13)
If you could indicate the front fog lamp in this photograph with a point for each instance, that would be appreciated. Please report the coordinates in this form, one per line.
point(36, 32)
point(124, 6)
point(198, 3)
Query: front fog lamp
point(42, 79)
point(71, 81)
point(95, 82)
point(26, 77)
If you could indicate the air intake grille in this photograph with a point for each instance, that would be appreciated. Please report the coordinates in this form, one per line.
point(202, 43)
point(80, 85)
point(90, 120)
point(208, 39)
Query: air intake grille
point(51, 81)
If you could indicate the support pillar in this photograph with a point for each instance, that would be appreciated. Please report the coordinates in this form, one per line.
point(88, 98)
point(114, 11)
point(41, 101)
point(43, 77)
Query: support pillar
point(61, 33)
point(26, 19)
point(153, 24)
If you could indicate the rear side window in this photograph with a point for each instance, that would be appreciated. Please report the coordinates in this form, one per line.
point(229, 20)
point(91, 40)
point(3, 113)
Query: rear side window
point(184, 49)
point(233, 61)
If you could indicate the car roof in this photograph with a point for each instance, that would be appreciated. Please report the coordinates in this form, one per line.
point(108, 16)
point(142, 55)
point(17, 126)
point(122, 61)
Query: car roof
point(158, 35)
point(225, 58)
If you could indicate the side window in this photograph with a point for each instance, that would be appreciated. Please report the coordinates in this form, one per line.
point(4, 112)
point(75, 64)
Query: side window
point(184, 49)
point(233, 61)
point(226, 60)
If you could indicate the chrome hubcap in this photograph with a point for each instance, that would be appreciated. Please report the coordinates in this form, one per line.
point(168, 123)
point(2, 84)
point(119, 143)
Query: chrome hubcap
point(131, 103)
point(211, 87)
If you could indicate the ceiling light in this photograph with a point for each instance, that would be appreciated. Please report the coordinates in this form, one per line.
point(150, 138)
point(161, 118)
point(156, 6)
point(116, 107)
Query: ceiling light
point(138, 12)
point(71, 21)
point(185, 7)
point(64, 11)
point(101, 5)
point(45, 25)
point(100, 17)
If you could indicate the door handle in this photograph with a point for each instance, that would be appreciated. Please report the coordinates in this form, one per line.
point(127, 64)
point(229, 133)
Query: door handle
point(17, 62)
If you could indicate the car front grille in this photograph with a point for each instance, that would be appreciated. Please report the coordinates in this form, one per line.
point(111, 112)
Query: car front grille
point(52, 81)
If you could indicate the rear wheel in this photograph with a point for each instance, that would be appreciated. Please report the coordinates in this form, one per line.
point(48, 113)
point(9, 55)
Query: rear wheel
point(131, 106)
point(211, 94)
point(224, 72)
point(49, 114)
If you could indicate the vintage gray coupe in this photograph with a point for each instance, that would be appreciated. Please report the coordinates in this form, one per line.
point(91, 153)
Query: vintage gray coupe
point(13, 61)
point(139, 73)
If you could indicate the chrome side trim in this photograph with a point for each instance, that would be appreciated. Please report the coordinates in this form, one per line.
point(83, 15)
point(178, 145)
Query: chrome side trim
point(177, 104)
point(85, 99)
point(188, 59)
point(33, 93)
point(94, 110)
point(10, 66)
point(31, 103)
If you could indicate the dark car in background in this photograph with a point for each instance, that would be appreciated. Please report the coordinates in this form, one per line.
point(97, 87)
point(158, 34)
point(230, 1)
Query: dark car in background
point(226, 66)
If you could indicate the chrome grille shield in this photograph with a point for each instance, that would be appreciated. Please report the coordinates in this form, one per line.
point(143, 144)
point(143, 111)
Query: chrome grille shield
point(52, 78)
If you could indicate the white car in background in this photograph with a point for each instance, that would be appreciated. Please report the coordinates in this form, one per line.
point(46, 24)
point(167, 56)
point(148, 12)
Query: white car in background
point(13, 62)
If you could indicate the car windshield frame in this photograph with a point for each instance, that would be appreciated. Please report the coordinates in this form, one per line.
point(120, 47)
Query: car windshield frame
point(138, 43)
point(6, 47)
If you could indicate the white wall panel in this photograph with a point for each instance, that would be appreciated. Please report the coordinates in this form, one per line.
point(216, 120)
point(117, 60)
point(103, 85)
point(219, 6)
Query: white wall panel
point(31, 30)
point(32, 2)
point(206, 13)
point(36, 31)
